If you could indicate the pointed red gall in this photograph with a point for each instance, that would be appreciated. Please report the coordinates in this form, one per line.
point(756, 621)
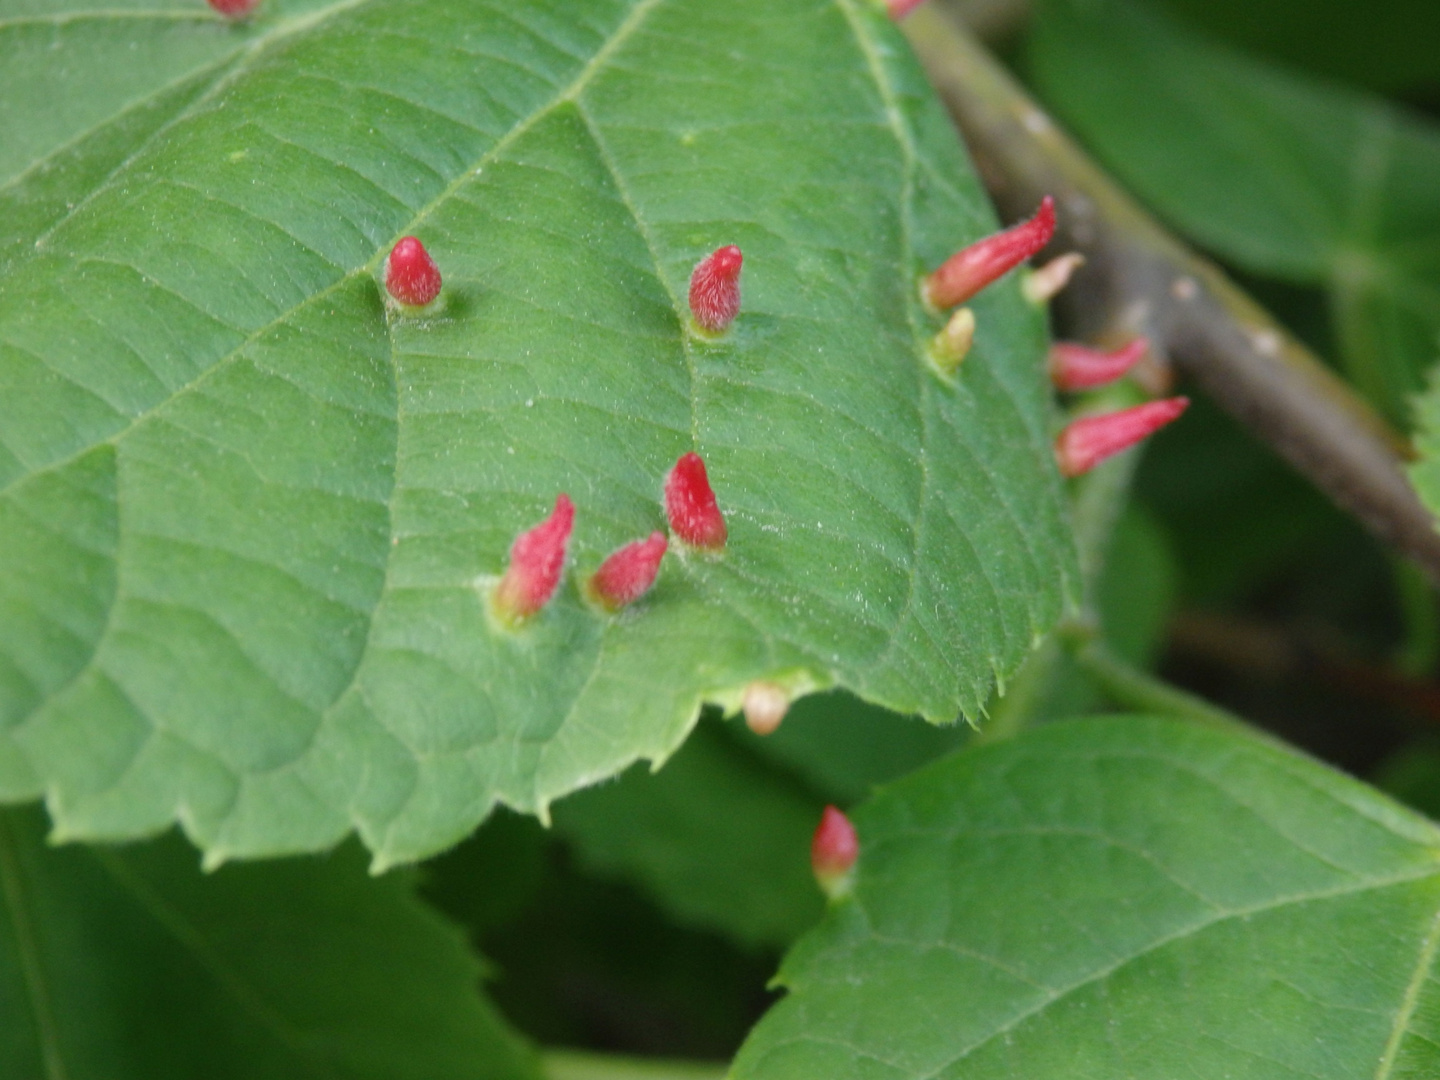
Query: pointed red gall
point(898, 9)
point(1088, 441)
point(537, 559)
point(690, 505)
point(411, 275)
point(628, 574)
point(833, 852)
point(967, 272)
point(234, 9)
point(764, 705)
point(1074, 367)
point(715, 289)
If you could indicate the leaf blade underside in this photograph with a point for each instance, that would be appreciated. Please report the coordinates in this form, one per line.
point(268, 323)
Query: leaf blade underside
point(131, 963)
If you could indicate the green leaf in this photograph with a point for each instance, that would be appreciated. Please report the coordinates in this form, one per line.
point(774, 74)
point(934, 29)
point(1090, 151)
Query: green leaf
point(1386, 47)
point(130, 963)
point(249, 520)
point(1283, 175)
point(1122, 897)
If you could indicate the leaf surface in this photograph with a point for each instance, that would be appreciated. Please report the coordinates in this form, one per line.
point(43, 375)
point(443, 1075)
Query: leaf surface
point(1286, 176)
point(1122, 897)
point(251, 520)
point(130, 963)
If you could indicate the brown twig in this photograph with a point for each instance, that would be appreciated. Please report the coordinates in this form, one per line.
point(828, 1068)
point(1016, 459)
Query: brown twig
point(1140, 279)
point(1272, 654)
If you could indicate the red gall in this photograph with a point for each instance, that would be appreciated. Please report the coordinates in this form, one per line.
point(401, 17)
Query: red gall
point(1088, 441)
point(967, 272)
point(898, 9)
point(690, 505)
point(537, 559)
point(764, 705)
point(628, 573)
point(234, 9)
point(833, 852)
point(1074, 367)
point(951, 345)
point(1046, 282)
point(411, 276)
point(715, 289)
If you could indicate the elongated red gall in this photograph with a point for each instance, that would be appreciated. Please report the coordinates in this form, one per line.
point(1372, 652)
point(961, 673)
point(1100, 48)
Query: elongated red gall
point(1075, 367)
point(833, 852)
point(967, 272)
point(411, 276)
point(715, 289)
point(628, 573)
point(1088, 441)
point(234, 9)
point(537, 559)
point(690, 505)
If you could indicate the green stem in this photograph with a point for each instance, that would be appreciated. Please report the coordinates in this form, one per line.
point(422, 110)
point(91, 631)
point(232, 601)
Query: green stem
point(1135, 689)
point(579, 1065)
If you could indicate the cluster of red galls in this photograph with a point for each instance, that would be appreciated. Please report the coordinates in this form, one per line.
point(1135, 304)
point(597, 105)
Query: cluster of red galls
point(537, 558)
point(413, 281)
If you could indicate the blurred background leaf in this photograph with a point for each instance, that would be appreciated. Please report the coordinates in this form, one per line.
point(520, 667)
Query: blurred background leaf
point(1387, 47)
point(121, 963)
